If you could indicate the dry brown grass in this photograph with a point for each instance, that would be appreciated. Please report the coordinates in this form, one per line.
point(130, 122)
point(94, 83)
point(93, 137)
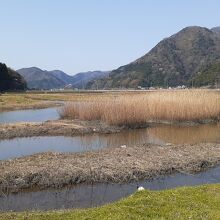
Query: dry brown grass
point(187, 105)
point(28, 100)
point(108, 165)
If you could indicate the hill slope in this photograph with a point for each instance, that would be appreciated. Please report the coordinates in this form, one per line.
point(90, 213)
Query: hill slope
point(67, 79)
point(81, 80)
point(42, 79)
point(216, 30)
point(174, 61)
point(208, 76)
point(10, 79)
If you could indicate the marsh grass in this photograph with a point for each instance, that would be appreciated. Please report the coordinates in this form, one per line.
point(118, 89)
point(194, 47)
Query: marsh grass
point(187, 105)
point(36, 99)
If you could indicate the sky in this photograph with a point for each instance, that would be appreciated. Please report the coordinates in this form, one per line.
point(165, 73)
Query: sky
point(83, 35)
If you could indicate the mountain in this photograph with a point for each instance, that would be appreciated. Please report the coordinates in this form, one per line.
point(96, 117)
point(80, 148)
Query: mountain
point(208, 76)
point(216, 30)
point(57, 79)
point(173, 61)
point(62, 76)
point(40, 79)
point(10, 79)
point(81, 80)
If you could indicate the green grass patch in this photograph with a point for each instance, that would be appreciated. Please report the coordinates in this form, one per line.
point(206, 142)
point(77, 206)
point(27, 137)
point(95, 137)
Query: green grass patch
point(200, 202)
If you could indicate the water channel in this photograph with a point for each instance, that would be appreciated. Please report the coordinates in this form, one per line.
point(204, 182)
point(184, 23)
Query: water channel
point(160, 134)
point(98, 194)
point(30, 115)
point(84, 196)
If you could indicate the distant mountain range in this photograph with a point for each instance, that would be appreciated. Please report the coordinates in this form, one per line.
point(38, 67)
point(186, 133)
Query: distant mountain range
point(42, 79)
point(10, 80)
point(190, 57)
point(182, 59)
point(81, 80)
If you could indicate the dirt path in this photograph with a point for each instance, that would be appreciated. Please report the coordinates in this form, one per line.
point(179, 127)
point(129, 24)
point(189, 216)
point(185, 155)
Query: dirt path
point(46, 170)
point(54, 128)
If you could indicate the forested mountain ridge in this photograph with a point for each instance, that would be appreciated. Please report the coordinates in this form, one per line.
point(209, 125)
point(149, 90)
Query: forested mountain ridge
point(174, 61)
point(10, 80)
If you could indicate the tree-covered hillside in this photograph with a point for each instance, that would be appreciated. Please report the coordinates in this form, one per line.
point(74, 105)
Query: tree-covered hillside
point(10, 80)
point(172, 62)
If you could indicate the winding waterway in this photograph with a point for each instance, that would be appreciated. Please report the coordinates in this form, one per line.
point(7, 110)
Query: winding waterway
point(161, 134)
point(93, 195)
point(84, 196)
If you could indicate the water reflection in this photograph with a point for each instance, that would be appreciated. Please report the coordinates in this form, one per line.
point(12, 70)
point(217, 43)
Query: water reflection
point(187, 134)
point(82, 196)
point(157, 135)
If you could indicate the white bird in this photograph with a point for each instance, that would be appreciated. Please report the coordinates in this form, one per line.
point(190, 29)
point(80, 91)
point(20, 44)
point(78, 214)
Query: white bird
point(140, 188)
point(123, 146)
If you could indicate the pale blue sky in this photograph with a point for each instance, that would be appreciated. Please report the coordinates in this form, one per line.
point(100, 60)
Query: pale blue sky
point(84, 35)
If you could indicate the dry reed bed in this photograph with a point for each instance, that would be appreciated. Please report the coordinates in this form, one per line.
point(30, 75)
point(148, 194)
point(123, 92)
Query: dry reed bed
point(187, 105)
point(108, 165)
point(29, 100)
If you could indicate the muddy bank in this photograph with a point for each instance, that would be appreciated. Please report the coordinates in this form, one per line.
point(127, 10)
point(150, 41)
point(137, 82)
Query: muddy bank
point(54, 128)
point(67, 127)
point(38, 105)
point(118, 165)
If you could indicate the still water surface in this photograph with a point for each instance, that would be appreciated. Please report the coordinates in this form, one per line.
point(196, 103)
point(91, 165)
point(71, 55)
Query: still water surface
point(157, 135)
point(83, 196)
point(36, 115)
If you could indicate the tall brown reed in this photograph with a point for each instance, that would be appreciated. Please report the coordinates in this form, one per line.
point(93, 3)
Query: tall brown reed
point(187, 105)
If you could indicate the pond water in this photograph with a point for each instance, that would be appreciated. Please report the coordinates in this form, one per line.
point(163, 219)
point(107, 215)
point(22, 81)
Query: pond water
point(83, 196)
point(157, 135)
point(36, 115)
